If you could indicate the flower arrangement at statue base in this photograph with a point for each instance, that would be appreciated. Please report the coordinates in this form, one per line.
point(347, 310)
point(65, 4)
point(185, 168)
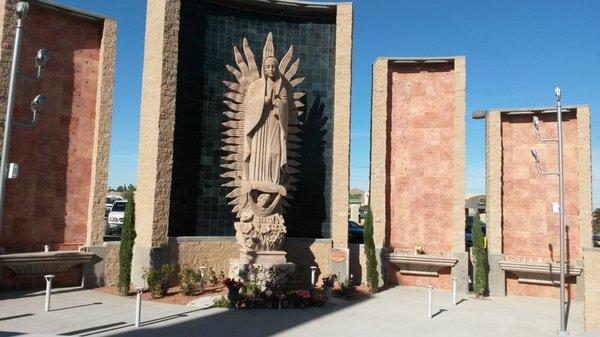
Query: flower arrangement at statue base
point(251, 297)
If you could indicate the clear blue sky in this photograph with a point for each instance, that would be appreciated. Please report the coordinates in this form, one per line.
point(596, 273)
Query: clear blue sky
point(517, 52)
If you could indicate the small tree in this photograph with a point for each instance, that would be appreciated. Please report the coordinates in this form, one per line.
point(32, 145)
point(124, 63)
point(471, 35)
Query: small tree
point(372, 274)
point(126, 250)
point(480, 268)
point(596, 221)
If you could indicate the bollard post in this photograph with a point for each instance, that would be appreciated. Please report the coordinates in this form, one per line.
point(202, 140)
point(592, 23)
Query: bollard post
point(46, 248)
point(138, 306)
point(430, 302)
point(48, 290)
point(202, 269)
point(313, 274)
point(454, 281)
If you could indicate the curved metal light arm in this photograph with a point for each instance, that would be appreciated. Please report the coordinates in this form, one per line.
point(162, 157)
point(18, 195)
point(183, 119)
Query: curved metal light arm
point(536, 125)
point(37, 77)
point(36, 106)
point(544, 140)
point(30, 124)
point(545, 173)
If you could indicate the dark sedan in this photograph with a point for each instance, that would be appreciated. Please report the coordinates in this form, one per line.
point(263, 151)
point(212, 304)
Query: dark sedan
point(355, 232)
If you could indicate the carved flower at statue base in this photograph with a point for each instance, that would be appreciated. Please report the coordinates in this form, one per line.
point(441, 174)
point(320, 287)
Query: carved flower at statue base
point(262, 233)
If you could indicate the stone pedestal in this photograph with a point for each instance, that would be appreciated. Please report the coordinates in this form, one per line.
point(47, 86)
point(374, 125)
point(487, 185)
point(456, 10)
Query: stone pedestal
point(262, 268)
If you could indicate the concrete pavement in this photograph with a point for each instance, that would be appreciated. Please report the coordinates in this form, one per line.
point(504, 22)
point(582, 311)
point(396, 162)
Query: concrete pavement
point(399, 311)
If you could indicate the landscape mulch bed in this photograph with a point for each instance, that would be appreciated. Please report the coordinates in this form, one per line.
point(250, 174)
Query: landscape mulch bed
point(174, 296)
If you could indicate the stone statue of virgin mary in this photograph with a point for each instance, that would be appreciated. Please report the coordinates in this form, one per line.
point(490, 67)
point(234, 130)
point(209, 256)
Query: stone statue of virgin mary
point(266, 122)
point(263, 121)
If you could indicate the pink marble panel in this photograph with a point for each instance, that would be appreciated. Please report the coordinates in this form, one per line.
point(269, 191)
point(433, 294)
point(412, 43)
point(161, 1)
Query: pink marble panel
point(420, 154)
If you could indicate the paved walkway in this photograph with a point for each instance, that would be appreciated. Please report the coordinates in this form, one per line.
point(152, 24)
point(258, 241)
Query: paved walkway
point(399, 311)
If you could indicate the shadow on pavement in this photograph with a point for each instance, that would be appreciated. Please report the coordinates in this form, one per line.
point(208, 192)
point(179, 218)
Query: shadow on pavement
point(6, 294)
point(233, 322)
point(15, 316)
point(76, 306)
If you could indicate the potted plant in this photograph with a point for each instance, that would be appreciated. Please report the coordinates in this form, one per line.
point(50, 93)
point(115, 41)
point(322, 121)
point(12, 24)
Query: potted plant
point(233, 287)
point(328, 283)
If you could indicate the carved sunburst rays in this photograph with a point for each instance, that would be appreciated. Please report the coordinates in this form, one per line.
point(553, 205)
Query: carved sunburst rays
point(245, 73)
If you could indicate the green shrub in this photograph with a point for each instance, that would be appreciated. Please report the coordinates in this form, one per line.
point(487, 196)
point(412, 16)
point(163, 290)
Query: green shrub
point(221, 302)
point(126, 249)
point(346, 290)
point(158, 279)
point(480, 254)
point(372, 273)
point(189, 281)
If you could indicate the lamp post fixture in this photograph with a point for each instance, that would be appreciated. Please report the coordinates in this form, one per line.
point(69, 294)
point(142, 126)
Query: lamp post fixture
point(9, 171)
point(561, 209)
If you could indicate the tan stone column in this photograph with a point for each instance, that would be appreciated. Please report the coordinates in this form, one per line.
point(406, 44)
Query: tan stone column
point(341, 141)
point(591, 269)
point(493, 203)
point(461, 269)
point(584, 162)
point(493, 181)
point(341, 126)
point(102, 128)
point(458, 195)
point(379, 135)
point(157, 121)
point(584, 166)
point(378, 181)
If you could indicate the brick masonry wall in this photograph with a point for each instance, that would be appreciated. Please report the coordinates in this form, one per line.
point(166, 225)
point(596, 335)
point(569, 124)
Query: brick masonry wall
point(493, 182)
point(378, 164)
point(215, 253)
point(341, 125)
point(48, 203)
point(420, 157)
point(102, 133)
point(111, 263)
point(211, 253)
point(530, 228)
point(424, 161)
point(157, 125)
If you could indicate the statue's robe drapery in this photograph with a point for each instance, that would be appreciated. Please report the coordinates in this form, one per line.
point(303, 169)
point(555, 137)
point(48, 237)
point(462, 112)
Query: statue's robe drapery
point(265, 129)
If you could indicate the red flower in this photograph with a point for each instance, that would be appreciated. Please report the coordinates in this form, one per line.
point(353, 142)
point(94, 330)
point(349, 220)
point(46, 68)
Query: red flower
point(303, 294)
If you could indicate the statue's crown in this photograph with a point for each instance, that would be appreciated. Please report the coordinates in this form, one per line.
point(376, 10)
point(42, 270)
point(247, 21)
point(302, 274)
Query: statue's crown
point(269, 49)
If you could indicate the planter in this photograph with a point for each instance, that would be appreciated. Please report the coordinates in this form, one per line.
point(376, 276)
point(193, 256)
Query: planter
point(328, 291)
point(233, 294)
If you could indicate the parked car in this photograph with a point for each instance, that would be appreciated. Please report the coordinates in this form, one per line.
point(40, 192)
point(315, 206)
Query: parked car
point(115, 217)
point(468, 230)
point(109, 202)
point(355, 232)
point(596, 240)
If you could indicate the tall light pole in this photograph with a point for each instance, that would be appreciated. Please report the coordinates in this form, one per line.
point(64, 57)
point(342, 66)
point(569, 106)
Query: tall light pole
point(561, 209)
point(21, 11)
point(41, 61)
